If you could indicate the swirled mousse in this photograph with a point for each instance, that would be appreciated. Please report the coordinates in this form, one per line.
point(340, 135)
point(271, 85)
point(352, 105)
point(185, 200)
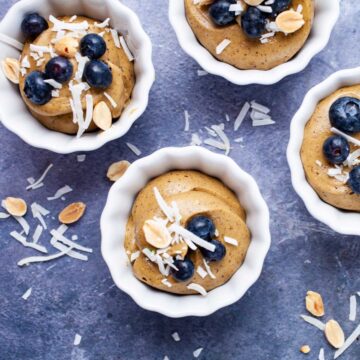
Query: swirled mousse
point(77, 74)
point(330, 150)
point(186, 233)
point(251, 34)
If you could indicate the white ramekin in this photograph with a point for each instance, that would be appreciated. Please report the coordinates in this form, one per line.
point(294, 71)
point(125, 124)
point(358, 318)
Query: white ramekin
point(118, 208)
point(344, 222)
point(13, 111)
point(326, 15)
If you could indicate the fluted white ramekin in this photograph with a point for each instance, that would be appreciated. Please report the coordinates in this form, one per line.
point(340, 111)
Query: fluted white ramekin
point(15, 115)
point(326, 15)
point(118, 207)
point(344, 222)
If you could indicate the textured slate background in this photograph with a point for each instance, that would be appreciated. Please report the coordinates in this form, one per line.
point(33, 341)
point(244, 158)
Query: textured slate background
point(76, 297)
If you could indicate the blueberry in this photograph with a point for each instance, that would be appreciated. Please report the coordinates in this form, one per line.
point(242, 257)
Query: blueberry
point(93, 46)
point(202, 227)
point(59, 68)
point(36, 89)
point(345, 114)
point(98, 74)
point(220, 13)
point(354, 180)
point(253, 22)
point(33, 25)
point(336, 149)
point(218, 254)
point(185, 270)
point(280, 5)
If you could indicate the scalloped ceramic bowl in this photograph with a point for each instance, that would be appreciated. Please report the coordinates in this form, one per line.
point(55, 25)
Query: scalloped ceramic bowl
point(118, 208)
point(327, 13)
point(344, 222)
point(13, 112)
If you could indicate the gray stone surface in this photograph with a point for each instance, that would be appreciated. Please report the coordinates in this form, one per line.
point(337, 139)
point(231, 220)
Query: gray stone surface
point(77, 297)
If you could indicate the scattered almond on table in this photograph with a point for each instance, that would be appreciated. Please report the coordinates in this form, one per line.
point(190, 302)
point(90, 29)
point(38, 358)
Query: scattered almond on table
point(290, 21)
point(117, 170)
point(305, 349)
point(72, 213)
point(334, 334)
point(314, 304)
point(15, 206)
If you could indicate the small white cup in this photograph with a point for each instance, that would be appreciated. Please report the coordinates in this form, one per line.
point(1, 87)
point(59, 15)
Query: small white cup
point(15, 115)
point(343, 222)
point(118, 207)
point(326, 15)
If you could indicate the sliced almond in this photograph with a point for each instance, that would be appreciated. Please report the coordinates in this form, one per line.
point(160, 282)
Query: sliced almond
point(290, 21)
point(117, 170)
point(334, 334)
point(72, 213)
point(15, 206)
point(156, 234)
point(179, 249)
point(253, 2)
point(305, 349)
point(11, 69)
point(102, 116)
point(314, 304)
point(67, 46)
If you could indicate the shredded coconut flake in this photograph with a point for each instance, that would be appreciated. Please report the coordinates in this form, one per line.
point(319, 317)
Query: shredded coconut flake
point(4, 215)
point(197, 352)
point(12, 42)
point(77, 339)
point(115, 37)
point(21, 239)
point(104, 24)
point(41, 179)
point(81, 157)
point(202, 273)
point(353, 306)
point(321, 354)
point(134, 149)
point(59, 193)
point(36, 259)
point(198, 288)
point(348, 342)
point(111, 100)
point(126, 49)
point(53, 83)
point(222, 46)
point(27, 294)
point(202, 72)
point(175, 336)
point(315, 322)
point(231, 241)
point(134, 256)
point(241, 117)
point(37, 233)
point(187, 121)
point(346, 136)
point(62, 25)
point(208, 269)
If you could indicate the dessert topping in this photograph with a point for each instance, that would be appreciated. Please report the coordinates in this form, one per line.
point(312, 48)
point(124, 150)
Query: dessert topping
point(67, 46)
point(102, 116)
point(11, 69)
point(289, 21)
point(157, 234)
point(314, 303)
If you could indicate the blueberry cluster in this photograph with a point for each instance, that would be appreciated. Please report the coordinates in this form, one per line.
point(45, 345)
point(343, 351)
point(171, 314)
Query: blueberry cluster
point(344, 115)
point(203, 227)
point(253, 20)
point(96, 73)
